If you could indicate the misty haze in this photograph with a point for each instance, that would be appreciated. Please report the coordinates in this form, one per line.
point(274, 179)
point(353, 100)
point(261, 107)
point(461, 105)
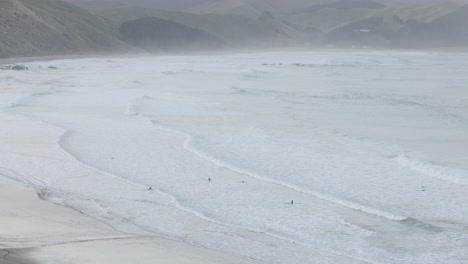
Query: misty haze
point(233, 131)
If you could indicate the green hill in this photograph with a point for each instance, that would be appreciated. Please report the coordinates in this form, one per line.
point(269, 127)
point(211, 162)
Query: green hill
point(155, 34)
point(450, 30)
point(32, 27)
point(174, 5)
point(235, 30)
point(307, 15)
point(45, 27)
point(293, 22)
point(328, 15)
point(258, 23)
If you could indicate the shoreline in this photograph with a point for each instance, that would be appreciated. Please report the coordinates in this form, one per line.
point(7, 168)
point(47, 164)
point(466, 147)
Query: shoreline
point(16, 60)
point(15, 256)
point(37, 231)
point(86, 240)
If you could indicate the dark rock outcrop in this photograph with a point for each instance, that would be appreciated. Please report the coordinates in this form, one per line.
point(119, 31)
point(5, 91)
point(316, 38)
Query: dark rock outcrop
point(14, 67)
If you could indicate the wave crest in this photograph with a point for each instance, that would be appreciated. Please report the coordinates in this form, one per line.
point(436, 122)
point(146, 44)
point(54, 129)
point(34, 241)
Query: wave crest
point(456, 176)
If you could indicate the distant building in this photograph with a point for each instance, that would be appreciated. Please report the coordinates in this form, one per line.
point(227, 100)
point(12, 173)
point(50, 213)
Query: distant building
point(362, 30)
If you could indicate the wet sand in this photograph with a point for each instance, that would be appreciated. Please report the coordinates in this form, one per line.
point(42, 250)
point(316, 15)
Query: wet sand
point(33, 231)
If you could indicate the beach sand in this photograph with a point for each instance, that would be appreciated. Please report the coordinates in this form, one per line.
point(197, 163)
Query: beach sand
point(27, 222)
point(33, 231)
point(19, 60)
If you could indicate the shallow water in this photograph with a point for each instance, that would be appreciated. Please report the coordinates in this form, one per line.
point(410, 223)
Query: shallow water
point(371, 147)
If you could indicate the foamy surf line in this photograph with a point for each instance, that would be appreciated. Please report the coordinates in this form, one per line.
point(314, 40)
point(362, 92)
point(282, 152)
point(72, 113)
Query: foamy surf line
point(195, 213)
point(59, 198)
point(332, 251)
point(456, 176)
point(6, 176)
point(70, 201)
point(352, 205)
point(174, 199)
point(66, 134)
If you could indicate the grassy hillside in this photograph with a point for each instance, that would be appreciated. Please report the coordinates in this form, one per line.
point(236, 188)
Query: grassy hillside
point(328, 19)
point(297, 22)
point(234, 30)
point(324, 15)
point(174, 5)
point(204, 5)
point(44, 27)
point(32, 27)
point(99, 4)
point(155, 34)
point(328, 15)
point(450, 30)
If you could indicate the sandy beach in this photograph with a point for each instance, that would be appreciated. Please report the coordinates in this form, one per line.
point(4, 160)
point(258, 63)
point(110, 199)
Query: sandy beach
point(267, 157)
point(33, 231)
point(36, 231)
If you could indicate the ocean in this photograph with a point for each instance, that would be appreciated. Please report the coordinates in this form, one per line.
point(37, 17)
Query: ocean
point(286, 157)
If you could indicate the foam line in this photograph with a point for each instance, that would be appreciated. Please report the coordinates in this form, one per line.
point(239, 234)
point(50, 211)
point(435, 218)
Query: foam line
point(136, 184)
point(349, 204)
point(5, 175)
point(459, 177)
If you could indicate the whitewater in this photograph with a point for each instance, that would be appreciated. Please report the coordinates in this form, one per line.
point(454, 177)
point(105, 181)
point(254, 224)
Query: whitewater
point(285, 157)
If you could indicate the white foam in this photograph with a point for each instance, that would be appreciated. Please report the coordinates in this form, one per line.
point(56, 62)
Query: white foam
point(349, 204)
point(348, 200)
point(175, 202)
point(452, 175)
point(8, 175)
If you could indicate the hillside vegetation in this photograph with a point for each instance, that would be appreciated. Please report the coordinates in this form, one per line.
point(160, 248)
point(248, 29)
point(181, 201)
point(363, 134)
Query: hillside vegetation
point(154, 34)
point(450, 30)
point(236, 31)
point(32, 27)
point(43, 27)
point(326, 15)
point(342, 23)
